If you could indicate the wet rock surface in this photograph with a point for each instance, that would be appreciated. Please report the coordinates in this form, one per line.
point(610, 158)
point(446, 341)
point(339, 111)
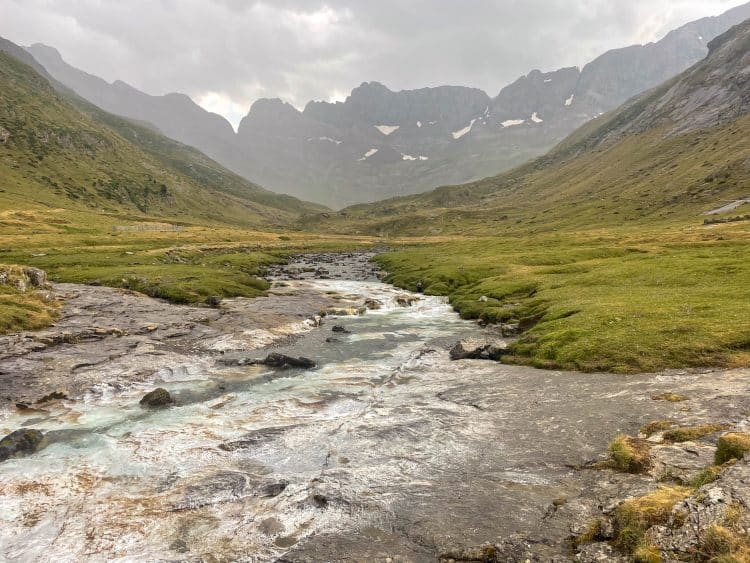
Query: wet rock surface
point(20, 443)
point(159, 397)
point(388, 449)
point(354, 266)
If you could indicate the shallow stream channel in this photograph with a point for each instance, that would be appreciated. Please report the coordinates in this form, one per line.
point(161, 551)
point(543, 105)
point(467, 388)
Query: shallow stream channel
point(386, 450)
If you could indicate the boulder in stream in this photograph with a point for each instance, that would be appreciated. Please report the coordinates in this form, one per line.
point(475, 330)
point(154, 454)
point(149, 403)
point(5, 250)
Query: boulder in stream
point(406, 300)
point(159, 397)
point(478, 349)
point(20, 443)
point(213, 301)
point(373, 304)
point(282, 361)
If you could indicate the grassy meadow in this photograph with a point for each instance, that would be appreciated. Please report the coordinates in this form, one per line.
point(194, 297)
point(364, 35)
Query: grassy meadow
point(181, 266)
point(602, 300)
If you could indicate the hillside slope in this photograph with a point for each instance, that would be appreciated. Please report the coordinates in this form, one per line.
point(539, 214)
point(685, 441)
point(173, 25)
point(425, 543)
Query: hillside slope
point(61, 152)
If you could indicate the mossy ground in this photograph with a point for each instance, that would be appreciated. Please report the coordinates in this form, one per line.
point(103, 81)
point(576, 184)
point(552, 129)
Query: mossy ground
point(628, 454)
point(617, 300)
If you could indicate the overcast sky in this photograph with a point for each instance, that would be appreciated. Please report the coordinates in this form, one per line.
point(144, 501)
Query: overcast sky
point(227, 53)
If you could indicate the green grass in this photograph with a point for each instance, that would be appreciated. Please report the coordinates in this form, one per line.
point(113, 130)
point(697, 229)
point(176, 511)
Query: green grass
point(690, 433)
point(24, 310)
point(65, 153)
point(734, 445)
point(629, 455)
point(609, 300)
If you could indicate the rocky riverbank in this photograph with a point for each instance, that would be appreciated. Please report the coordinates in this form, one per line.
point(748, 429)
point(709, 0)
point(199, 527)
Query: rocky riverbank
point(387, 450)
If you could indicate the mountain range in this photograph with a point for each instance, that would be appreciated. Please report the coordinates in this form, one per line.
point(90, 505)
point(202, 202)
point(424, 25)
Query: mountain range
point(379, 143)
point(672, 153)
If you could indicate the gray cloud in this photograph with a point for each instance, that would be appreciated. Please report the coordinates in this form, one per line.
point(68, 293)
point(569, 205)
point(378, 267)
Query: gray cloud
point(227, 53)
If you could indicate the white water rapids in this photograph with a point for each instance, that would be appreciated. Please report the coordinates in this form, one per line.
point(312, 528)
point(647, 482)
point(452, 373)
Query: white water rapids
point(207, 477)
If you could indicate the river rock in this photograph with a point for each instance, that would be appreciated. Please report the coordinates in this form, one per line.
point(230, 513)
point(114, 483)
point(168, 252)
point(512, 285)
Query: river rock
point(36, 277)
point(159, 397)
point(373, 304)
point(282, 361)
point(683, 461)
point(510, 329)
point(477, 349)
point(20, 443)
point(406, 300)
point(341, 329)
point(213, 301)
point(711, 506)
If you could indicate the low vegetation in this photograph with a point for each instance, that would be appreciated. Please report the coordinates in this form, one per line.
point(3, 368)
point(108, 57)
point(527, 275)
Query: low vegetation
point(655, 426)
point(733, 445)
point(628, 454)
point(609, 300)
point(24, 310)
point(184, 266)
point(634, 517)
point(690, 433)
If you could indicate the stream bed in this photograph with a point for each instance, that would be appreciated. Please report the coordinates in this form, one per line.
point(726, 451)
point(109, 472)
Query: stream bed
point(387, 450)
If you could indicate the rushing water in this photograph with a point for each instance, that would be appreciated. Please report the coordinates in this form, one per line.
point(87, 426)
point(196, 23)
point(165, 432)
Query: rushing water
point(249, 462)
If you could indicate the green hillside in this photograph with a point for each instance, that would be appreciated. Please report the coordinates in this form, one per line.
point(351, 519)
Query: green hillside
point(60, 152)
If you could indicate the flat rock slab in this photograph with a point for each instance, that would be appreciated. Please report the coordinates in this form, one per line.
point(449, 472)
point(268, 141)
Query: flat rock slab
point(116, 337)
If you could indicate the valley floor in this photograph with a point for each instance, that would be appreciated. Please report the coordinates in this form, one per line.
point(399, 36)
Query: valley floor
point(387, 450)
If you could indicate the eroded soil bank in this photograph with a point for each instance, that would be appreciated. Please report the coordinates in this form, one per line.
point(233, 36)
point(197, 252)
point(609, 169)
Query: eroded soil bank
point(386, 450)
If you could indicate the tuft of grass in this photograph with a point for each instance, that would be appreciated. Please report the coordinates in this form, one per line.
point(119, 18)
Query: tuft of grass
point(629, 455)
point(717, 541)
point(23, 310)
point(708, 475)
point(732, 446)
point(670, 397)
point(634, 517)
point(647, 554)
point(593, 533)
point(651, 428)
point(690, 433)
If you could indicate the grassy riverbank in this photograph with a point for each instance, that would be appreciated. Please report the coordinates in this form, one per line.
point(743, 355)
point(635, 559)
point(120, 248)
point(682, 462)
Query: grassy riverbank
point(181, 266)
point(611, 299)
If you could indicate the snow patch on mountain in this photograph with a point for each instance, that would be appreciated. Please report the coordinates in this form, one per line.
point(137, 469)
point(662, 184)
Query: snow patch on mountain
point(410, 157)
point(328, 139)
point(513, 122)
point(535, 118)
point(461, 132)
point(387, 129)
point(368, 154)
point(569, 101)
